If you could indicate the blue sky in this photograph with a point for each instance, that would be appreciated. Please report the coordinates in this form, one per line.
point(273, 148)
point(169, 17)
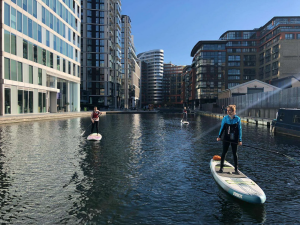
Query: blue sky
point(177, 25)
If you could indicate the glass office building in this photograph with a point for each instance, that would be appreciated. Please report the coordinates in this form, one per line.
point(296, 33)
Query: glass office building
point(101, 53)
point(40, 46)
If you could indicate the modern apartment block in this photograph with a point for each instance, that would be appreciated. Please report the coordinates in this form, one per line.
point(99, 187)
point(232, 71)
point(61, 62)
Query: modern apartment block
point(131, 73)
point(188, 87)
point(40, 56)
point(209, 65)
point(152, 66)
point(268, 53)
point(172, 85)
point(101, 53)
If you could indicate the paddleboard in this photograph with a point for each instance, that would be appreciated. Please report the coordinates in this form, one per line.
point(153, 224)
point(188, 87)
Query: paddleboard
point(94, 137)
point(184, 122)
point(237, 185)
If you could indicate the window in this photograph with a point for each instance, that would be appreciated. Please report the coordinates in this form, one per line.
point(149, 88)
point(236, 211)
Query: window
point(69, 69)
point(232, 84)
point(51, 60)
point(30, 51)
point(58, 63)
point(7, 14)
point(296, 119)
point(40, 108)
point(13, 18)
point(35, 54)
point(30, 74)
point(29, 27)
point(19, 2)
point(48, 58)
point(13, 70)
point(29, 6)
point(7, 101)
point(30, 100)
point(35, 8)
point(234, 71)
point(20, 72)
point(40, 75)
point(25, 25)
point(25, 5)
point(7, 68)
point(40, 55)
point(6, 41)
point(234, 58)
point(20, 101)
point(19, 19)
point(289, 36)
point(13, 47)
point(64, 65)
point(39, 33)
point(34, 31)
point(44, 57)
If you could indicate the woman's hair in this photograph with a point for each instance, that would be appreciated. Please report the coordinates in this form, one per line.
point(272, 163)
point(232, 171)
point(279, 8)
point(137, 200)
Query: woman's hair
point(232, 107)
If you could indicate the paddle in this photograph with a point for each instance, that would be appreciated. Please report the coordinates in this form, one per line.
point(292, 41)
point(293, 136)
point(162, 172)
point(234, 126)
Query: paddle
point(86, 129)
point(267, 150)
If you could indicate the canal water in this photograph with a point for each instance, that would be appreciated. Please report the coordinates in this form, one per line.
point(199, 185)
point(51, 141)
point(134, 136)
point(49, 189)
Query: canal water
point(147, 169)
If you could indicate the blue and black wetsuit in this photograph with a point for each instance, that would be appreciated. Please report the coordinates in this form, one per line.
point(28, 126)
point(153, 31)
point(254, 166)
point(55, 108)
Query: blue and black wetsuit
point(232, 130)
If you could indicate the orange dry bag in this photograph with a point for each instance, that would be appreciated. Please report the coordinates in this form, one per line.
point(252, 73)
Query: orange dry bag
point(217, 157)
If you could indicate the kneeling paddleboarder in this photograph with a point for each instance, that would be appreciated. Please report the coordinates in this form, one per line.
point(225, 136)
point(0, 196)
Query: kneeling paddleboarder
point(231, 126)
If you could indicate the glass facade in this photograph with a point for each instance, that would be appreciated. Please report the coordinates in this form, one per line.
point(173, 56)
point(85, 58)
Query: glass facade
point(209, 64)
point(101, 75)
point(30, 88)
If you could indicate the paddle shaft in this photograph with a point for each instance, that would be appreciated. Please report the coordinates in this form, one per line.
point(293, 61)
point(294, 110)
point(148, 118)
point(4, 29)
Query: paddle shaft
point(86, 129)
point(267, 150)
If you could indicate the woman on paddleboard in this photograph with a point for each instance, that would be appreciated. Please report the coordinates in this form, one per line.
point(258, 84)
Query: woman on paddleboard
point(95, 119)
point(231, 126)
point(184, 115)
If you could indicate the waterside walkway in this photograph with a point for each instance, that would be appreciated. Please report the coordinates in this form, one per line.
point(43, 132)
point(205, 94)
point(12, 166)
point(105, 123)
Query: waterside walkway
point(8, 119)
point(256, 120)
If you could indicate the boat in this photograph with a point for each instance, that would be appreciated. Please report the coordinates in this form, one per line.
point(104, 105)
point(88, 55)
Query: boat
point(238, 185)
point(287, 122)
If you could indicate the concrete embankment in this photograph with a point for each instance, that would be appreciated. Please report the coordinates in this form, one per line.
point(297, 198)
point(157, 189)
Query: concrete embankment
point(8, 119)
point(255, 120)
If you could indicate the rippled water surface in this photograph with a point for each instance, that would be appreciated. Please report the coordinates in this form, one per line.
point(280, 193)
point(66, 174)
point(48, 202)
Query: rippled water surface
point(147, 169)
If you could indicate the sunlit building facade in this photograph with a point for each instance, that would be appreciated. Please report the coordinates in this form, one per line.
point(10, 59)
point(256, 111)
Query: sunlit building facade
point(131, 73)
point(268, 53)
point(152, 66)
point(101, 53)
point(172, 85)
point(40, 56)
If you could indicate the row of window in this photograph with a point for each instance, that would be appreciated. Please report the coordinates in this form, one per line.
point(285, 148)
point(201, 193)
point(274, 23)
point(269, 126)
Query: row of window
point(13, 70)
point(36, 53)
point(292, 36)
point(38, 11)
point(237, 50)
point(30, 28)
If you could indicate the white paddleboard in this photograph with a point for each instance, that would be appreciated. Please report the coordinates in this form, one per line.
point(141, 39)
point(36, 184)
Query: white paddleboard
point(239, 186)
point(184, 122)
point(94, 137)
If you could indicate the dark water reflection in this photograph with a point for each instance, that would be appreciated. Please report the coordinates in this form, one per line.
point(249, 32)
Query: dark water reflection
point(147, 169)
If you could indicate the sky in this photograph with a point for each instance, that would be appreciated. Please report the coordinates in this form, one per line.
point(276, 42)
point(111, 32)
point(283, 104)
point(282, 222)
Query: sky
point(177, 25)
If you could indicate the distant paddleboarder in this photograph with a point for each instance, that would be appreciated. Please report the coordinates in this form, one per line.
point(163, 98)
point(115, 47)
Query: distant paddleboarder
point(231, 126)
point(184, 116)
point(95, 119)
